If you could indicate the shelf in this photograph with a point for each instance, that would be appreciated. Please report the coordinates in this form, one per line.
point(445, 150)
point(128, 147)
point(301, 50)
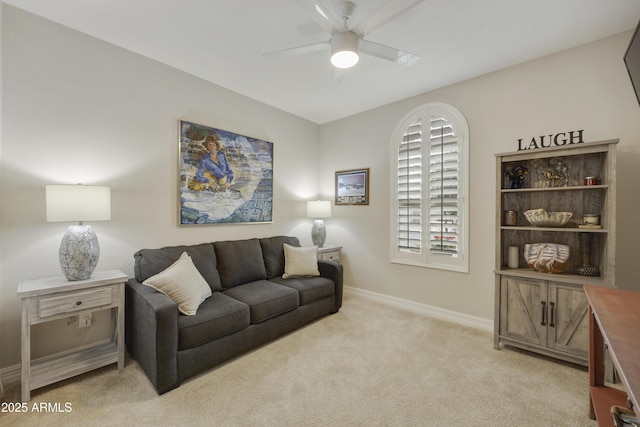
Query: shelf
point(603, 399)
point(51, 369)
point(576, 279)
point(554, 229)
point(569, 188)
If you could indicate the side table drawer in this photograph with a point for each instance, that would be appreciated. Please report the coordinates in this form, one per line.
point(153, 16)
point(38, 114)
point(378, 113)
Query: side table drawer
point(74, 302)
point(330, 256)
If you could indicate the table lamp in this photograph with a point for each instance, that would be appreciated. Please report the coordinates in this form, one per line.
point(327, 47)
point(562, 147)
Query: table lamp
point(318, 210)
point(79, 250)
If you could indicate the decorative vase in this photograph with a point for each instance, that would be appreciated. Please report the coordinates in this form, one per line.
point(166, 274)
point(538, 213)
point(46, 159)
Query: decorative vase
point(515, 174)
point(517, 182)
point(513, 257)
point(585, 268)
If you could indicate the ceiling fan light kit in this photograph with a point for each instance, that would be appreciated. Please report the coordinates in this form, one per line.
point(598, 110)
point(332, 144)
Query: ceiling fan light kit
point(344, 49)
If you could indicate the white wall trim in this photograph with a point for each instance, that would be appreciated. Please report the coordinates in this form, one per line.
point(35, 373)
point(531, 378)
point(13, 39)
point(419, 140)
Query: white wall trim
point(10, 375)
point(427, 310)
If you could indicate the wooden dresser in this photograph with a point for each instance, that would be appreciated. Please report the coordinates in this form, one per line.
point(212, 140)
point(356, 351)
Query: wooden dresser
point(614, 323)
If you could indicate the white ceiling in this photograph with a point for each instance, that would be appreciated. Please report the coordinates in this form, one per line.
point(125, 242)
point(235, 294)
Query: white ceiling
point(223, 41)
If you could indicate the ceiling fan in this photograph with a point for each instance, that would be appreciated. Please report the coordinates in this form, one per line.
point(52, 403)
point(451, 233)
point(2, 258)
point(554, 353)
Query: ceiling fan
point(348, 41)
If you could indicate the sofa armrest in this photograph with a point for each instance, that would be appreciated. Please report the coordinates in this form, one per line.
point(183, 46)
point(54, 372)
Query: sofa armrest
point(151, 334)
point(333, 270)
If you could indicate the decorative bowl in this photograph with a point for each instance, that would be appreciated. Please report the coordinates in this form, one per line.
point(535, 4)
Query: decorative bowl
point(546, 257)
point(542, 218)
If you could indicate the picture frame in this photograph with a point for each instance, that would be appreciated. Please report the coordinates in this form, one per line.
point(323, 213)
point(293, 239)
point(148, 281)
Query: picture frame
point(352, 187)
point(224, 177)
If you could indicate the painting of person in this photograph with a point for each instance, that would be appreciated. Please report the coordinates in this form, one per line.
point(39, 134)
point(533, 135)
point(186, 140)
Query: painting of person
point(224, 177)
point(214, 172)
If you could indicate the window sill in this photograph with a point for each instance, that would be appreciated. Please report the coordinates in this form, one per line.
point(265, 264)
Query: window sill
point(447, 267)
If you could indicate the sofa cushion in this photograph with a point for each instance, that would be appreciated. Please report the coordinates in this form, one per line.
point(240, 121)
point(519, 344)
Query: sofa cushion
point(149, 262)
point(218, 315)
point(239, 262)
point(273, 253)
point(310, 288)
point(265, 299)
point(183, 283)
point(300, 261)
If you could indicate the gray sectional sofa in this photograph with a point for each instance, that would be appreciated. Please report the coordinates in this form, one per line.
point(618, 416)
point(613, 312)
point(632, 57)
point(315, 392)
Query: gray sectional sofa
point(250, 305)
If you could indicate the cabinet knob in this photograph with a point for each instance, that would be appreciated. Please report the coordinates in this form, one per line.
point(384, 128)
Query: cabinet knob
point(78, 302)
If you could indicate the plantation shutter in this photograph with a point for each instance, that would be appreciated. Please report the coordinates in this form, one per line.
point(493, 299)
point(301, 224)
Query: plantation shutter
point(429, 214)
point(443, 188)
point(442, 171)
point(409, 192)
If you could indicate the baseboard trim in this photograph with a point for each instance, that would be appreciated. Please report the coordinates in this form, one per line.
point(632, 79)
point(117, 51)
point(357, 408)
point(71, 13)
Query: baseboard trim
point(428, 310)
point(11, 375)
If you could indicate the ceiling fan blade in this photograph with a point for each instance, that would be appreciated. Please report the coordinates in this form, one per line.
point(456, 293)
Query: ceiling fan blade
point(383, 15)
point(389, 53)
point(299, 50)
point(336, 77)
point(322, 15)
point(310, 29)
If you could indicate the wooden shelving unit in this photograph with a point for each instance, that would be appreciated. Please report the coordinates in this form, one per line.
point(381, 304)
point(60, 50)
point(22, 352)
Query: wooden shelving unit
point(543, 312)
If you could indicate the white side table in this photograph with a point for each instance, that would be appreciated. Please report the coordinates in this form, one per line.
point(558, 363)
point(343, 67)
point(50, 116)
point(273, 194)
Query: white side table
point(330, 253)
point(44, 300)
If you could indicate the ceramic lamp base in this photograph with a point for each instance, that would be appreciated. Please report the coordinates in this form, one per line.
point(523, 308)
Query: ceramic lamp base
point(318, 232)
point(79, 252)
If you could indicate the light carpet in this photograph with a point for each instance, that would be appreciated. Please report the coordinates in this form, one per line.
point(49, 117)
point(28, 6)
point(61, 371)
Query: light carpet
point(368, 365)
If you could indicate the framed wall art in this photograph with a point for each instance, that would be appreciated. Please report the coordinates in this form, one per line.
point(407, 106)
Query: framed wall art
point(352, 187)
point(224, 177)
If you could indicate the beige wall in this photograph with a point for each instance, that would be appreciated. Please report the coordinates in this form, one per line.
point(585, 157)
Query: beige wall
point(583, 88)
point(78, 109)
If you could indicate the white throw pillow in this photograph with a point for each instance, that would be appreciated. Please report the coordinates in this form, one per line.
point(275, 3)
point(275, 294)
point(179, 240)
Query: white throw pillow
point(183, 283)
point(300, 261)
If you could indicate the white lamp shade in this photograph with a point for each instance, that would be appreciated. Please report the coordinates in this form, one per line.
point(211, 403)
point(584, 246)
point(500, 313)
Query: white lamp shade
point(319, 209)
point(78, 203)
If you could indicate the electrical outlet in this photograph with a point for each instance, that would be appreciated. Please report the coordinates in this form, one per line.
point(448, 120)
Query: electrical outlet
point(85, 319)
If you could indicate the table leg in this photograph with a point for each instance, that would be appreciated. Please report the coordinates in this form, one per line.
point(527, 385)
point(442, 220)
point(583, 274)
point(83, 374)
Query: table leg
point(120, 326)
point(26, 351)
point(596, 359)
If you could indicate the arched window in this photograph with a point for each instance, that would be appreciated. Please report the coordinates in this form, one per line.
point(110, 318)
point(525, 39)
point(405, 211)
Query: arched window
point(430, 151)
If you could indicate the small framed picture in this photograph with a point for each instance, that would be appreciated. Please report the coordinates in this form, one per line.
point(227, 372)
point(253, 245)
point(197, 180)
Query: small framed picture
point(352, 187)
